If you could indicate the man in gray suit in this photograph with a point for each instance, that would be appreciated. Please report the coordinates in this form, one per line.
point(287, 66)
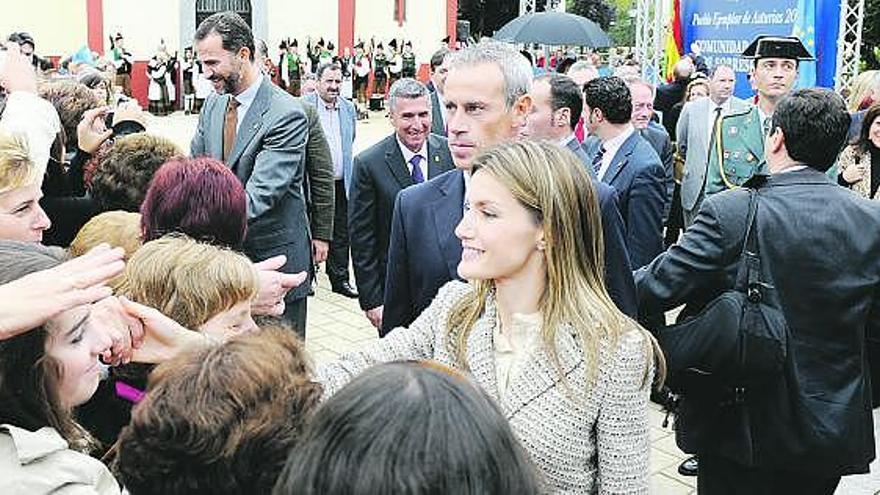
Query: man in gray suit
point(695, 136)
point(337, 116)
point(260, 132)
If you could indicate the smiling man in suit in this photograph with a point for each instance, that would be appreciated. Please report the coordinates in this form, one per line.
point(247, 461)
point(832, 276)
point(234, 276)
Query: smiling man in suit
point(695, 135)
point(411, 155)
point(621, 157)
point(260, 132)
point(487, 102)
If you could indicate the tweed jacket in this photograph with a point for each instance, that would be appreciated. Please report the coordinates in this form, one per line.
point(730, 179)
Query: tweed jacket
point(592, 443)
point(849, 158)
point(40, 462)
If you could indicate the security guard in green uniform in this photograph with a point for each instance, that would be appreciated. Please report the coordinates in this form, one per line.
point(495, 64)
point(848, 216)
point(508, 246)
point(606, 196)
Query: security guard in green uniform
point(736, 150)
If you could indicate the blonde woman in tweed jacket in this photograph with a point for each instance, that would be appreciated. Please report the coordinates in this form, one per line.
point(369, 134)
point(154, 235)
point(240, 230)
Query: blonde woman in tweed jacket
point(535, 327)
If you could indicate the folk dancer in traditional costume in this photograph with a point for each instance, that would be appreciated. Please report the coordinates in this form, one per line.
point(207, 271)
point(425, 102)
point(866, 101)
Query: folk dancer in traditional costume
point(123, 62)
point(362, 68)
point(408, 60)
point(380, 71)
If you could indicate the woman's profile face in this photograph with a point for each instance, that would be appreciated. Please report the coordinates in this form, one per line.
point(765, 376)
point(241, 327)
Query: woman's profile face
point(75, 341)
point(227, 324)
point(874, 132)
point(499, 236)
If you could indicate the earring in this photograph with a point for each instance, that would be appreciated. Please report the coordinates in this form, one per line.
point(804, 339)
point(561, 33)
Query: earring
point(541, 245)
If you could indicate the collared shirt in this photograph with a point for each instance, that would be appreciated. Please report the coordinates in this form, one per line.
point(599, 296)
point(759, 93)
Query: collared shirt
point(725, 109)
point(795, 168)
point(763, 116)
point(567, 139)
point(245, 99)
point(467, 184)
point(611, 146)
point(329, 116)
point(408, 156)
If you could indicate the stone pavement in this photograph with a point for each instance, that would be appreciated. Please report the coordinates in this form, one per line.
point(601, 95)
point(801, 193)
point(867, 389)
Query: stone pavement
point(336, 325)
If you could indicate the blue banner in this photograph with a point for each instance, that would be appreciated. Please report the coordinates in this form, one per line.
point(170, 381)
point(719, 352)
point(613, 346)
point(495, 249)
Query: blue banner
point(722, 29)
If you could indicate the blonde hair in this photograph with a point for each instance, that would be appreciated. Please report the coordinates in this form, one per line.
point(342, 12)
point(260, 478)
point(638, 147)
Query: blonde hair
point(16, 167)
point(862, 85)
point(116, 228)
point(553, 185)
point(189, 281)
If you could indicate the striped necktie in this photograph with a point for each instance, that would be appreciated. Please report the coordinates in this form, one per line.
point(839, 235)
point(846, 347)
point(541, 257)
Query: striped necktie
point(597, 160)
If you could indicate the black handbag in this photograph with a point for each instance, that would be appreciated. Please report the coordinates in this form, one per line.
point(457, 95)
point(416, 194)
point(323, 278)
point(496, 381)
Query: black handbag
point(739, 336)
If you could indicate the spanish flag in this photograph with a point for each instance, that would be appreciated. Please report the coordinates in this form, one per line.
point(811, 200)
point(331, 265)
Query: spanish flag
point(674, 40)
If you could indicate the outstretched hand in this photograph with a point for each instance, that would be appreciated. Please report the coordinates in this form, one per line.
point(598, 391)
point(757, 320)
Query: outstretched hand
point(274, 285)
point(30, 301)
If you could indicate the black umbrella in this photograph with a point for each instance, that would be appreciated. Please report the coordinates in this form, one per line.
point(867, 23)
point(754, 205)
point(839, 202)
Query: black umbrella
point(553, 28)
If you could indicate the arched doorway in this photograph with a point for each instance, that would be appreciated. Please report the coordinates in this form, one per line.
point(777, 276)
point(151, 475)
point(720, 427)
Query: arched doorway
point(206, 8)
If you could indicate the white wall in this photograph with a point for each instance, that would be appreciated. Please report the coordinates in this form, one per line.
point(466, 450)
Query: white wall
point(425, 24)
point(143, 24)
point(59, 27)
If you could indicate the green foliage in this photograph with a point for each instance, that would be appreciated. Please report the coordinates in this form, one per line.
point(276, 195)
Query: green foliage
point(871, 35)
point(597, 11)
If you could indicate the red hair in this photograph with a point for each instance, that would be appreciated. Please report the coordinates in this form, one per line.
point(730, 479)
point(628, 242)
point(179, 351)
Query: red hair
point(199, 197)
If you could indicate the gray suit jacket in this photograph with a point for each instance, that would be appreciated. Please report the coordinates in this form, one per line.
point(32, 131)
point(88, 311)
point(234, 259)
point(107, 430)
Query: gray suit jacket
point(347, 127)
point(268, 158)
point(692, 138)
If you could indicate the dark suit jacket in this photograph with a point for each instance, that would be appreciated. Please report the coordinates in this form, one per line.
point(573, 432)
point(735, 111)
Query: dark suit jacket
point(816, 251)
point(659, 139)
point(268, 158)
point(437, 125)
point(424, 252)
point(638, 176)
point(379, 173)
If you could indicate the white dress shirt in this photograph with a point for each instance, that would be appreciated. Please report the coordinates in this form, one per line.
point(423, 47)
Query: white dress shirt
point(329, 117)
point(611, 146)
point(725, 109)
point(245, 99)
point(408, 156)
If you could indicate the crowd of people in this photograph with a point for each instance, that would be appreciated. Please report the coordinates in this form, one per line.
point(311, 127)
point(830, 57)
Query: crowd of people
point(368, 70)
point(517, 241)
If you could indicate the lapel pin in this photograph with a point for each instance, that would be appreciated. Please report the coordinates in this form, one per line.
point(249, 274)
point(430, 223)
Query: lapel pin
point(436, 158)
point(733, 130)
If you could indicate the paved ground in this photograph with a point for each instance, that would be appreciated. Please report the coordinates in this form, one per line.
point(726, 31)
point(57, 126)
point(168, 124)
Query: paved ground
point(336, 325)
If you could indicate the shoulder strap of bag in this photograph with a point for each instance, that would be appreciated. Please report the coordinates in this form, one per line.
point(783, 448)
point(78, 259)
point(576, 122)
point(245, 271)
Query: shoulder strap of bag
point(749, 271)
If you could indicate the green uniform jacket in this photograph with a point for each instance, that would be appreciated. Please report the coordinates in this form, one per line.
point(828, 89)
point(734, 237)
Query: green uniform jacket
point(736, 151)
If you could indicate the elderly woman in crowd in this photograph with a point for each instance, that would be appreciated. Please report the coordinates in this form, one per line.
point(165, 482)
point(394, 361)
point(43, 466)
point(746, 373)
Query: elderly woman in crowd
point(120, 181)
point(202, 287)
point(115, 228)
point(362, 440)
point(535, 327)
point(199, 197)
point(255, 389)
